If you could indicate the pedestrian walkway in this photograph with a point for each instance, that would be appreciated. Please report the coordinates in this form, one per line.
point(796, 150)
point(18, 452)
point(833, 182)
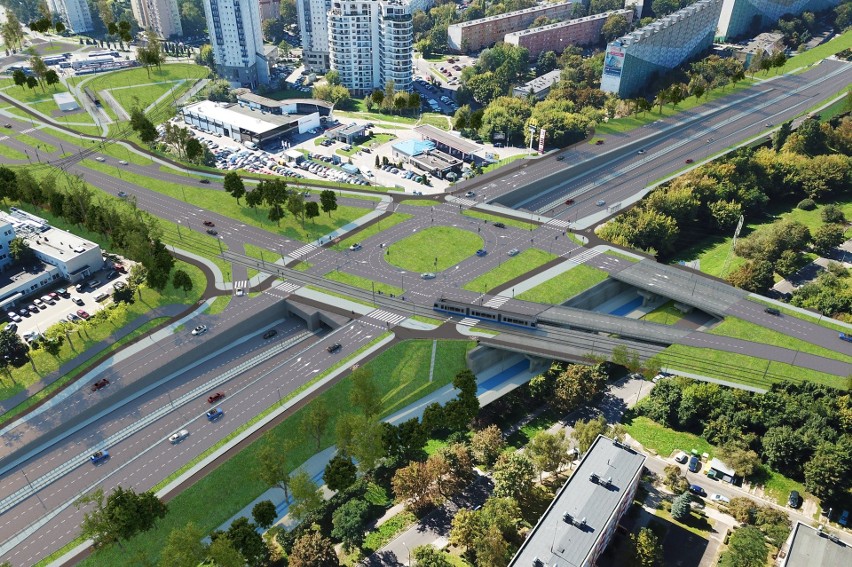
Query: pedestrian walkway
point(387, 316)
point(584, 256)
point(303, 251)
point(468, 322)
point(496, 301)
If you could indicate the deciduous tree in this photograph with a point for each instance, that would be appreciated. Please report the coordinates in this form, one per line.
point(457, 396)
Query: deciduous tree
point(487, 444)
point(306, 495)
point(514, 474)
point(348, 521)
point(184, 547)
point(264, 514)
point(549, 451)
point(586, 431)
point(313, 550)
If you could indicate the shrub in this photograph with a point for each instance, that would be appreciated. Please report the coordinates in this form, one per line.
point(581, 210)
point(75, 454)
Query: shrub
point(806, 205)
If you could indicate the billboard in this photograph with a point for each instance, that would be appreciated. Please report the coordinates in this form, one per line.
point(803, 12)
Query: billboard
point(541, 135)
point(613, 61)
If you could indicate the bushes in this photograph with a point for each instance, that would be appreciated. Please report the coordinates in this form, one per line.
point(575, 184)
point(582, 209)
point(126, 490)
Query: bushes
point(806, 204)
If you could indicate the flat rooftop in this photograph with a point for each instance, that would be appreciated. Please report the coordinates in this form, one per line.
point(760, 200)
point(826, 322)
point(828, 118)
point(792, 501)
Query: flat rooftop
point(809, 548)
point(248, 96)
point(568, 23)
point(347, 129)
point(241, 117)
point(441, 137)
point(44, 238)
point(543, 82)
point(509, 15)
point(583, 508)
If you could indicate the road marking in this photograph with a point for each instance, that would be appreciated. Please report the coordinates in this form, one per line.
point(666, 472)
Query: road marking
point(584, 256)
point(558, 224)
point(468, 322)
point(496, 302)
point(383, 205)
point(241, 284)
point(303, 251)
point(386, 316)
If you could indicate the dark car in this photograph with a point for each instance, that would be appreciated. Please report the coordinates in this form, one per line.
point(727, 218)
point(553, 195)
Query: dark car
point(208, 223)
point(794, 500)
point(569, 201)
point(845, 337)
point(694, 464)
point(100, 384)
point(334, 348)
point(7, 125)
point(212, 231)
point(481, 252)
point(560, 158)
point(695, 489)
point(690, 160)
point(112, 275)
point(205, 181)
point(499, 225)
point(270, 333)
point(599, 142)
point(215, 397)
point(772, 311)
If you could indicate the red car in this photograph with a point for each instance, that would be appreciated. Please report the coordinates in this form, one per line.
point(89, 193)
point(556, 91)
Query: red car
point(569, 202)
point(119, 268)
point(82, 314)
point(689, 161)
point(208, 223)
point(215, 397)
point(100, 384)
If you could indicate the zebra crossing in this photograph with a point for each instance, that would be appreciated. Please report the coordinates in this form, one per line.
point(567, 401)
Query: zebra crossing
point(496, 301)
point(558, 224)
point(584, 256)
point(383, 205)
point(240, 287)
point(303, 251)
point(283, 290)
point(28, 130)
point(388, 317)
point(464, 202)
point(468, 322)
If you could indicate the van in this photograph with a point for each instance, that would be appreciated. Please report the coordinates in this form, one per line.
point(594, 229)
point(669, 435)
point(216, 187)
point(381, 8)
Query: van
point(250, 145)
point(101, 296)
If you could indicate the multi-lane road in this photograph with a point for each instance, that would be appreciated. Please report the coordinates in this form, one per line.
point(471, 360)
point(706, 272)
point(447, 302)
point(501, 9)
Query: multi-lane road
point(41, 519)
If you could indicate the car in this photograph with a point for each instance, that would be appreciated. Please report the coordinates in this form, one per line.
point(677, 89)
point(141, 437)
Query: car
point(694, 464)
point(514, 252)
point(772, 311)
point(599, 142)
point(48, 300)
point(93, 284)
point(844, 518)
point(82, 314)
point(208, 223)
point(695, 489)
point(72, 317)
point(32, 308)
point(13, 317)
point(214, 414)
point(481, 252)
point(600, 203)
point(212, 231)
point(99, 457)
point(122, 162)
point(470, 194)
point(122, 195)
point(63, 292)
point(569, 201)
point(681, 457)
point(560, 158)
point(53, 296)
point(119, 286)
point(690, 160)
point(355, 247)
point(99, 158)
point(204, 181)
point(213, 398)
point(77, 300)
point(7, 125)
point(270, 333)
point(199, 330)
point(39, 303)
point(719, 499)
point(499, 225)
point(794, 500)
point(11, 327)
point(24, 312)
point(427, 276)
point(334, 348)
point(112, 275)
point(239, 292)
point(841, 336)
point(641, 152)
point(99, 385)
point(178, 437)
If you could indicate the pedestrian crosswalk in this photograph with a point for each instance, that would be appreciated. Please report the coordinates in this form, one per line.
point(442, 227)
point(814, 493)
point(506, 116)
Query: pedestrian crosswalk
point(383, 205)
point(2, 138)
point(468, 322)
point(465, 202)
point(303, 251)
point(388, 317)
point(283, 290)
point(557, 224)
point(496, 301)
point(28, 130)
point(241, 287)
point(583, 256)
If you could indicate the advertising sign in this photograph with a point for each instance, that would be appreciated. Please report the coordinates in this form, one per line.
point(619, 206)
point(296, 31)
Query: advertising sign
point(613, 61)
point(541, 135)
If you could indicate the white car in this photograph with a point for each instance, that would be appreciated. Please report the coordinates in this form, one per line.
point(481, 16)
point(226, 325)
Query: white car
point(470, 194)
point(178, 437)
point(719, 499)
point(122, 162)
point(428, 276)
point(240, 292)
point(681, 457)
point(99, 158)
point(514, 252)
point(355, 247)
point(199, 330)
point(77, 300)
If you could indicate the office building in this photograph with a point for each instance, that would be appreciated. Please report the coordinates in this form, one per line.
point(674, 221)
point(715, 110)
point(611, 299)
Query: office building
point(234, 28)
point(808, 546)
point(742, 18)
point(313, 27)
point(162, 16)
point(370, 43)
point(579, 523)
point(484, 32)
point(632, 60)
point(556, 37)
point(74, 14)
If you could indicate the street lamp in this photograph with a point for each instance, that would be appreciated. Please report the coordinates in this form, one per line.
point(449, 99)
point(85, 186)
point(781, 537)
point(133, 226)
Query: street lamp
point(409, 553)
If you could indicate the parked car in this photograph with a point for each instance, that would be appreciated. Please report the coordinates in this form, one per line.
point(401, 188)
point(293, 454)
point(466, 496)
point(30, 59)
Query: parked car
point(213, 398)
point(82, 314)
point(48, 300)
point(681, 457)
point(695, 489)
point(72, 317)
point(694, 464)
point(844, 518)
point(719, 499)
point(178, 437)
point(334, 348)
point(270, 333)
point(99, 457)
point(794, 500)
point(14, 317)
point(39, 303)
point(77, 300)
point(214, 414)
point(112, 275)
point(199, 330)
point(99, 385)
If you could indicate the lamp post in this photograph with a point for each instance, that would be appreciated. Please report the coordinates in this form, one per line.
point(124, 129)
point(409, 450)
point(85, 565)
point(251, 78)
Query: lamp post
point(409, 553)
point(180, 236)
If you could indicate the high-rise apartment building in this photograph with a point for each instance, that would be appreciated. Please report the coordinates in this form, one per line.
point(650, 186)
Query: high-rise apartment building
point(234, 28)
point(556, 37)
point(313, 26)
point(370, 43)
point(632, 60)
point(75, 14)
point(162, 16)
point(750, 17)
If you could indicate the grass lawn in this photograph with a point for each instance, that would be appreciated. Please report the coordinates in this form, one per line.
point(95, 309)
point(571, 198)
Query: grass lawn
point(419, 203)
point(138, 76)
point(219, 304)
point(622, 256)
point(401, 374)
point(433, 250)
point(512, 268)
point(436, 120)
point(36, 143)
point(776, 485)
point(388, 531)
point(503, 162)
point(712, 254)
point(362, 283)
point(742, 368)
point(565, 285)
point(12, 153)
point(666, 314)
point(695, 523)
point(495, 218)
point(740, 329)
point(141, 95)
point(665, 441)
point(27, 95)
point(382, 224)
point(836, 45)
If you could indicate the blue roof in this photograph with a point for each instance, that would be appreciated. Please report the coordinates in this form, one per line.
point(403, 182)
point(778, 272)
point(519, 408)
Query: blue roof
point(414, 147)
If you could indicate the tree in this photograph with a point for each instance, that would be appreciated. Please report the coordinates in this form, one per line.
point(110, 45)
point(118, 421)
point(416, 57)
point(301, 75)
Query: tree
point(754, 275)
point(647, 548)
point(577, 385)
point(674, 479)
point(466, 528)
point(8, 184)
point(181, 280)
point(743, 460)
point(184, 547)
point(585, 432)
point(339, 472)
point(306, 495)
point(430, 556)
point(827, 237)
point(360, 437)
point(783, 448)
point(19, 78)
point(514, 474)
point(223, 553)
point(492, 548)
point(364, 394)
point(827, 474)
point(746, 548)
point(547, 62)
point(832, 214)
point(32, 82)
point(39, 69)
point(313, 550)
point(789, 263)
point(404, 441)
point(296, 206)
point(120, 516)
point(601, 6)
point(143, 126)
point(487, 444)
point(549, 451)
point(681, 506)
point(414, 485)
point(328, 201)
point(243, 534)
point(312, 210)
point(348, 522)
point(264, 514)
point(20, 251)
point(616, 25)
point(315, 421)
point(272, 464)
point(193, 150)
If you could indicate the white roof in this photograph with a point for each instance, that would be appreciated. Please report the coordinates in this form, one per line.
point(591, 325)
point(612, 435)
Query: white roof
point(62, 98)
point(721, 467)
point(228, 115)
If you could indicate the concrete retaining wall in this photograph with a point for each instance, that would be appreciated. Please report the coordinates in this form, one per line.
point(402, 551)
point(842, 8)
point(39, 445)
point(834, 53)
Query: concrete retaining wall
point(598, 294)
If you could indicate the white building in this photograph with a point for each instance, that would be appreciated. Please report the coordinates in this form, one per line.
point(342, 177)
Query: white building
point(251, 123)
point(63, 256)
point(66, 102)
point(313, 26)
point(748, 17)
point(75, 14)
point(162, 16)
point(235, 34)
point(370, 43)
